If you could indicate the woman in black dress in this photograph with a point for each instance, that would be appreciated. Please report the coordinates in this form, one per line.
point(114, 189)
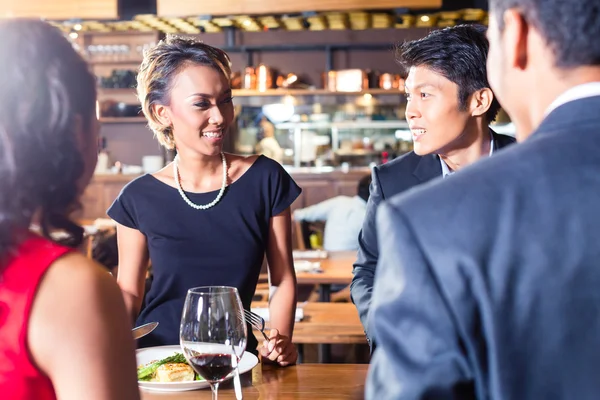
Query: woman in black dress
point(207, 218)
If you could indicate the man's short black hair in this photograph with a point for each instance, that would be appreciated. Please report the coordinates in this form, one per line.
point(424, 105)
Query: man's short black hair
point(363, 187)
point(459, 54)
point(570, 27)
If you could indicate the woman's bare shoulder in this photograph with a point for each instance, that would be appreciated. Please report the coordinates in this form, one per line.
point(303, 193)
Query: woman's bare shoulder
point(238, 164)
point(78, 319)
point(165, 175)
point(237, 159)
point(74, 270)
point(75, 293)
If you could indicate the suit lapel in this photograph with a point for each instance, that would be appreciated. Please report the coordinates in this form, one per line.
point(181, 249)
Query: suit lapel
point(428, 168)
point(501, 141)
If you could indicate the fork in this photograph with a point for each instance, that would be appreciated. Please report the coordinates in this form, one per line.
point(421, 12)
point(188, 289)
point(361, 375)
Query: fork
point(256, 321)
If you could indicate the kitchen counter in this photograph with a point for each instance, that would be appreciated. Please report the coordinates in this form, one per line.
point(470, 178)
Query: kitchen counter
point(326, 170)
point(114, 177)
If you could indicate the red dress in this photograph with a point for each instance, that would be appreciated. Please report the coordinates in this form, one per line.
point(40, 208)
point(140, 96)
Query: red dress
point(19, 279)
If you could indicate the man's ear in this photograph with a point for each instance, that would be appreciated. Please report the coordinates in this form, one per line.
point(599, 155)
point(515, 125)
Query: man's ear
point(481, 101)
point(515, 38)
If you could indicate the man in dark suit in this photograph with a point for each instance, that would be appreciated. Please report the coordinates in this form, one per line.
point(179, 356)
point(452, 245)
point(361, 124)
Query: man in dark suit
point(450, 106)
point(488, 284)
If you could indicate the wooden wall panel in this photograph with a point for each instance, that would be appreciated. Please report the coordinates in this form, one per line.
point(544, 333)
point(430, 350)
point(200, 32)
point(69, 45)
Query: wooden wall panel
point(173, 8)
point(60, 9)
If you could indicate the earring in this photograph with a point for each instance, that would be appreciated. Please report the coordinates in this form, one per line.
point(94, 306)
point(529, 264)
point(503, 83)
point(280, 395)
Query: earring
point(168, 135)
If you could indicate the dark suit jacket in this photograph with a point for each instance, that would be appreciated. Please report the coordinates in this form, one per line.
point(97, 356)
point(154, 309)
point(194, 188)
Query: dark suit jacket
point(390, 179)
point(488, 286)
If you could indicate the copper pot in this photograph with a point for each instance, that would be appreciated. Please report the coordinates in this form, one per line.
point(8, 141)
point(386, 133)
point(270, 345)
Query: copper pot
point(328, 79)
point(264, 78)
point(249, 81)
point(386, 81)
point(351, 80)
point(236, 80)
point(391, 82)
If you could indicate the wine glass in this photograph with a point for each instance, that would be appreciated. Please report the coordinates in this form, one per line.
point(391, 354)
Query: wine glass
point(213, 332)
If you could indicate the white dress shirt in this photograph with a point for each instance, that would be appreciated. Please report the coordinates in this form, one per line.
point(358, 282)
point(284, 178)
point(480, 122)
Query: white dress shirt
point(343, 216)
point(575, 93)
point(447, 171)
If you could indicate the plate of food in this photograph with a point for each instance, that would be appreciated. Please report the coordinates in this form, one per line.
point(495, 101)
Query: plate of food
point(165, 369)
point(307, 266)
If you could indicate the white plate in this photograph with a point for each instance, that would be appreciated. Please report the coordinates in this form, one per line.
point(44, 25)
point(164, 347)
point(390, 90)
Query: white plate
point(307, 266)
point(264, 313)
point(149, 354)
point(318, 254)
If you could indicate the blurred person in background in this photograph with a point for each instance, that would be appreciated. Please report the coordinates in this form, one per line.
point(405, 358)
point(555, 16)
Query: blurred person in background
point(343, 217)
point(267, 144)
point(499, 265)
point(105, 251)
point(64, 332)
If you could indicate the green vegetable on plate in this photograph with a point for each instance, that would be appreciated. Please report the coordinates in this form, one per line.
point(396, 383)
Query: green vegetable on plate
point(146, 372)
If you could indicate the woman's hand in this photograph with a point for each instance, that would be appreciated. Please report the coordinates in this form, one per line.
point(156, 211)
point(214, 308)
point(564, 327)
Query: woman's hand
point(279, 349)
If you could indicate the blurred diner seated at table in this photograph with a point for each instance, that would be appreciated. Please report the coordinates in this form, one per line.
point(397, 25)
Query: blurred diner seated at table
point(209, 217)
point(64, 332)
point(105, 251)
point(343, 217)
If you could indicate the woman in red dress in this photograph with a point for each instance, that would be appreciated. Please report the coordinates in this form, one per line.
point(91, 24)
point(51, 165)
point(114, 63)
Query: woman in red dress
point(64, 331)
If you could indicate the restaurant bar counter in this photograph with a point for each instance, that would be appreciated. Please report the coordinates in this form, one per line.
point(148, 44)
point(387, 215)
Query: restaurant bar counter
point(317, 184)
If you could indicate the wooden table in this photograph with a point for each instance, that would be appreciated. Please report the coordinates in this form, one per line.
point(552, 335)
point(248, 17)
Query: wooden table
point(305, 382)
point(325, 324)
point(331, 323)
point(336, 270)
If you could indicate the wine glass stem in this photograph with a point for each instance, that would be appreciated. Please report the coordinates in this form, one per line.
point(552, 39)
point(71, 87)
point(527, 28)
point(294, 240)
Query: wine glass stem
point(215, 389)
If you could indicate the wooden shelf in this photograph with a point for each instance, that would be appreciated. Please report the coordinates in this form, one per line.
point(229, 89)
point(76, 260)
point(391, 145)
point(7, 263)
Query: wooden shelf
point(169, 8)
point(116, 91)
point(62, 10)
point(357, 153)
point(133, 63)
point(107, 93)
point(128, 96)
point(122, 120)
point(153, 33)
point(310, 92)
point(364, 124)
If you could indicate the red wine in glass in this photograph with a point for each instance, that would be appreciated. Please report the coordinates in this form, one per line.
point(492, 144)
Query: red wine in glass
point(213, 332)
point(212, 367)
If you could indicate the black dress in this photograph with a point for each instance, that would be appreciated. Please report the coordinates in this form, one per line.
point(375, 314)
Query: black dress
point(223, 245)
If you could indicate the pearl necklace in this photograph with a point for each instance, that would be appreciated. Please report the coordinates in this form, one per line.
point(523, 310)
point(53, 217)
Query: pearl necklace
point(188, 201)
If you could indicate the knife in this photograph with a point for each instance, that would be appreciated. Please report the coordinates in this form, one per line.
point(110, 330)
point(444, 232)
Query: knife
point(143, 330)
point(237, 384)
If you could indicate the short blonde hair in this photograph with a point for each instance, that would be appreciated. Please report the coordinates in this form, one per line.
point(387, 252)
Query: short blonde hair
point(158, 70)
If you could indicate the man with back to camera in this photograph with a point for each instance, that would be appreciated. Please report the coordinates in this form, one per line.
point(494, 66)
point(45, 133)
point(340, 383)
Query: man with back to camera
point(450, 106)
point(500, 267)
